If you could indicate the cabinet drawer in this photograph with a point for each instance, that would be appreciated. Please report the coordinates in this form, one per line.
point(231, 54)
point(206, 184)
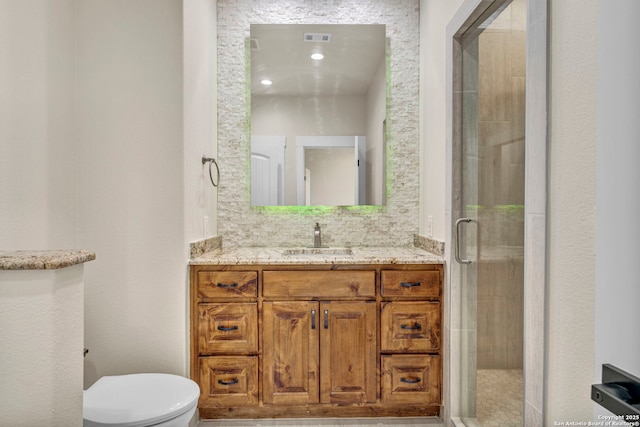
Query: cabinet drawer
point(227, 284)
point(417, 284)
point(319, 284)
point(410, 326)
point(411, 379)
point(228, 381)
point(229, 328)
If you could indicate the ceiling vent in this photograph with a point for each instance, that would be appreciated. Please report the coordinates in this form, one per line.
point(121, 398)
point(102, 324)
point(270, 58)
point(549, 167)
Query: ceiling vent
point(317, 37)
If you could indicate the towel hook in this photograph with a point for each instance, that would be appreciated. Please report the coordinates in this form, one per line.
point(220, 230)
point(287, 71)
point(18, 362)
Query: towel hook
point(211, 161)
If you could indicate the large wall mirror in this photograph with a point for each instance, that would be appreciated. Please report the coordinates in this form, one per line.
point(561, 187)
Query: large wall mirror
point(318, 114)
point(242, 222)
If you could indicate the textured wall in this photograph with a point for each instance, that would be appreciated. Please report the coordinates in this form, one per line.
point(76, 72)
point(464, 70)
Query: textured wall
point(617, 197)
point(129, 120)
point(395, 224)
point(41, 337)
point(37, 188)
point(571, 204)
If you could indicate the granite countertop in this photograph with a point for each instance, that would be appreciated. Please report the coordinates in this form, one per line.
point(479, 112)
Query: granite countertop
point(271, 255)
point(43, 259)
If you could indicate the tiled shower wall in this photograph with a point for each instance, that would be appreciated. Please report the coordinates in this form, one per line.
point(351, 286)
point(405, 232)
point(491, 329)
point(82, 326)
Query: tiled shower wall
point(395, 224)
point(501, 146)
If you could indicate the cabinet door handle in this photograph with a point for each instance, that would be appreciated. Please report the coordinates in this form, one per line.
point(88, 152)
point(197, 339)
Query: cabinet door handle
point(410, 380)
point(313, 319)
point(326, 319)
point(232, 382)
point(227, 285)
point(227, 328)
point(414, 327)
point(410, 284)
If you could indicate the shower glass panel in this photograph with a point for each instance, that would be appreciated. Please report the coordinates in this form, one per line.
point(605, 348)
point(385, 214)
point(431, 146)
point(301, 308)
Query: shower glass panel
point(491, 239)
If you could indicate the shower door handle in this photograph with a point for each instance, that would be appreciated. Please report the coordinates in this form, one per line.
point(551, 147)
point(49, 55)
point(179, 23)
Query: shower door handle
point(456, 253)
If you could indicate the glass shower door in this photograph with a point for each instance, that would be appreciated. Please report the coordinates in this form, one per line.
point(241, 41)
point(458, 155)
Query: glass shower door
point(490, 230)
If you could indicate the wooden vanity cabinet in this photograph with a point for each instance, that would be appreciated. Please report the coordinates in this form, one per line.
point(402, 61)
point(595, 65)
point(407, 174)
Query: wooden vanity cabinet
point(316, 340)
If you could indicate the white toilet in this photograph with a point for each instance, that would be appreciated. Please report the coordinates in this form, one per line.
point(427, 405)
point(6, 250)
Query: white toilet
point(140, 400)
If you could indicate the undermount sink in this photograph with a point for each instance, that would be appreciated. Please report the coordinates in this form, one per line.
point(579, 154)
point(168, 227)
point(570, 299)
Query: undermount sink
point(318, 252)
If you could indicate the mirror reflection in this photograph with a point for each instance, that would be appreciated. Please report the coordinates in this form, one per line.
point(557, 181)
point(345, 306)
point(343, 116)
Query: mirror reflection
point(318, 123)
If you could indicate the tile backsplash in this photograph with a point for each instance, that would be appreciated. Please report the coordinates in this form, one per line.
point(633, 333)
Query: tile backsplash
point(391, 225)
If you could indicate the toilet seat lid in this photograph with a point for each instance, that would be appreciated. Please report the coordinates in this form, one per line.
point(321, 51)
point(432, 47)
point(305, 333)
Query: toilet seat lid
point(138, 399)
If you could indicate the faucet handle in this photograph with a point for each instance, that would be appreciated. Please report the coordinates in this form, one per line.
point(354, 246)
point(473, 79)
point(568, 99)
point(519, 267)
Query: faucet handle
point(317, 239)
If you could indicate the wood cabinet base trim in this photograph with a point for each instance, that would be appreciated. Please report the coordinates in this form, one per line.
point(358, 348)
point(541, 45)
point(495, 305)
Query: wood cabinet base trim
point(318, 411)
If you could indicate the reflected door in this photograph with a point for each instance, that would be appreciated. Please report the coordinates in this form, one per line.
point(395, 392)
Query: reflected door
point(490, 231)
point(338, 165)
point(267, 170)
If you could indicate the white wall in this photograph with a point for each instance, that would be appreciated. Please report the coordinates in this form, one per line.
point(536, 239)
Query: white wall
point(434, 17)
point(129, 128)
point(618, 199)
point(200, 117)
point(571, 207)
point(37, 161)
point(41, 337)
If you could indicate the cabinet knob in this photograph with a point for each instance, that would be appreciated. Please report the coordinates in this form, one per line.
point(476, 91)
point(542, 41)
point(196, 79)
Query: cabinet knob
point(227, 328)
point(410, 380)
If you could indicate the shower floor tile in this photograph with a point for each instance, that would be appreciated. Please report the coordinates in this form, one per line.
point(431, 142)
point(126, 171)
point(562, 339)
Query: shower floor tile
point(500, 397)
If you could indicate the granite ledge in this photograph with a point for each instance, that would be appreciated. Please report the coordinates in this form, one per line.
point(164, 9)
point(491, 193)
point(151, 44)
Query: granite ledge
point(43, 259)
point(272, 255)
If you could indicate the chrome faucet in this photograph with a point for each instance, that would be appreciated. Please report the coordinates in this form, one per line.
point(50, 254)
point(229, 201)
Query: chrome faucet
point(317, 236)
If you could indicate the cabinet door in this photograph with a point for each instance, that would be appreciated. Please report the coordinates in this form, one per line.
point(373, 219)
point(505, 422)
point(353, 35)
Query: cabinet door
point(348, 352)
point(290, 343)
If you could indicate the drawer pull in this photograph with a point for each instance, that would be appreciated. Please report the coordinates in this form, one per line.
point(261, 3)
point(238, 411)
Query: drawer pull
point(227, 285)
point(313, 319)
point(410, 284)
point(232, 382)
point(414, 327)
point(228, 328)
point(326, 319)
point(410, 380)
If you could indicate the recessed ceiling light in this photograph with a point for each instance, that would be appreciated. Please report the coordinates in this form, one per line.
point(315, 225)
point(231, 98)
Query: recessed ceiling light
point(317, 56)
point(266, 82)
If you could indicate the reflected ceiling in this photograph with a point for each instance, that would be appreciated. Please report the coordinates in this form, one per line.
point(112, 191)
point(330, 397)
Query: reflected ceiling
point(281, 54)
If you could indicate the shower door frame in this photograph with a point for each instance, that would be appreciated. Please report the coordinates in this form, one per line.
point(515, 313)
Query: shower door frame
point(535, 208)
